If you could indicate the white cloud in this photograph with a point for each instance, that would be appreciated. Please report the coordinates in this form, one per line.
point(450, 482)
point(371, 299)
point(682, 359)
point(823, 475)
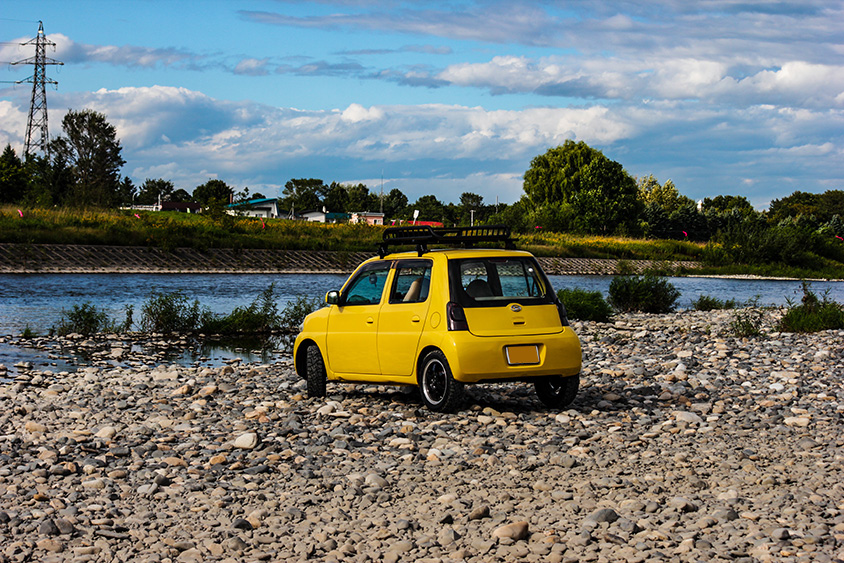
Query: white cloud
point(252, 67)
point(188, 137)
point(356, 113)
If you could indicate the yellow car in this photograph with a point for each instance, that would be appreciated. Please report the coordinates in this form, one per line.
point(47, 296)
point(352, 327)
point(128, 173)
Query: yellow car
point(442, 318)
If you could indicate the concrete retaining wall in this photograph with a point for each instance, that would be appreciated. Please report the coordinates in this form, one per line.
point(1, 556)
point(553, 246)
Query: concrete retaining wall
point(58, 258)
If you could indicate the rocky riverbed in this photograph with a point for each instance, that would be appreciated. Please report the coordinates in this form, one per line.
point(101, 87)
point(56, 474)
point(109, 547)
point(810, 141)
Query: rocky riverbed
point(684, 444)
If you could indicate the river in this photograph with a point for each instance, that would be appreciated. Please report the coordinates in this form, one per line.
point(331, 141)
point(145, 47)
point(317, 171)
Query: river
point(36, 301)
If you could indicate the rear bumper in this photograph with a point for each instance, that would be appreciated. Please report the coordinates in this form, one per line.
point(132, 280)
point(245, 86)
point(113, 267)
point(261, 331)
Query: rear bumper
point(475, 359)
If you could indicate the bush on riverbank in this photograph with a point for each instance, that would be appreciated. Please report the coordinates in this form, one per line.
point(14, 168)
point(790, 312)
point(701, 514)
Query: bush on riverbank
point(709, 303)
point(747, 321)
point(585, 305)
point(647, 294)
point(813, 314)
point(88, 319)
point(172, 312)
point(294, 312)
point(261, 316)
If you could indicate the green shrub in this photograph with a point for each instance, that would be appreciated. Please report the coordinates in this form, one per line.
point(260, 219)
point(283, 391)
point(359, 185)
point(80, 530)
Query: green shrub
point(172, 312)
point(85, 319)
point(647, 293)
point(261, 316)
point(585, 305)
point(708, 303)
point(296, 311)
point(813, 314)
point(747, 322)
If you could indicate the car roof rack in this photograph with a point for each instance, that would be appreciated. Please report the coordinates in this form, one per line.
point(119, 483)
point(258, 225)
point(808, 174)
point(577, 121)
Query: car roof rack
point(421, 236)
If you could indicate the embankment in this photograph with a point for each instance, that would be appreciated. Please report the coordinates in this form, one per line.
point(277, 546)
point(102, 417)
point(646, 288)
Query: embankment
point(59, 258)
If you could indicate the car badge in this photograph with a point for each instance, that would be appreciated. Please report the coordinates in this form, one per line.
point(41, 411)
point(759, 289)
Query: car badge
point(515, 308)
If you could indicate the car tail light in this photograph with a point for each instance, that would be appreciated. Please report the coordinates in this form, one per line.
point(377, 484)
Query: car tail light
point(456, 317)
point(561, 309)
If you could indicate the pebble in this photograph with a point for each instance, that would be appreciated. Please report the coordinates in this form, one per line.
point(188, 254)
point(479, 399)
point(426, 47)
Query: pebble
point(246, 441)
point(513, 531)
point(684, 443)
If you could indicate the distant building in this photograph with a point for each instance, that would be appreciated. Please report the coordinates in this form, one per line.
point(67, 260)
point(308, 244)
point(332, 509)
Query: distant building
point(266, 207)
point(428, 223)
point(325, 217)
point(182, 207)
point(368, 217)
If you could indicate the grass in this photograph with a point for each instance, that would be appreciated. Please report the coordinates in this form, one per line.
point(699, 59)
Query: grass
point(747, 321)
point(171, 230)
point(813, 314)
point(566, 245)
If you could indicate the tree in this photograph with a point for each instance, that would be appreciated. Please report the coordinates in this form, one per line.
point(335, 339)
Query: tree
point(180, 196)
point(471, 208)
point(126, 191)
point(430, 208)
point(336, 198)
point(213, 192)
point(302, 194)
point(13, 180)
point(602, 195)
point(154, 191)
point(360, 199)
point(395, 203)
point(665, 195)
point(92, 151)
point(50, 183)
point(832, 203)
point(722, 203)
point(798, 203)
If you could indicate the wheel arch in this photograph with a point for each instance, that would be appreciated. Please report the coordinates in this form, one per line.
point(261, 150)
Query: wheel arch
point(422, 353)
point(300, 362)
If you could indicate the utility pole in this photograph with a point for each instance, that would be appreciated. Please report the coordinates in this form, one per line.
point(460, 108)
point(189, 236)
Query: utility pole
point(37, 120)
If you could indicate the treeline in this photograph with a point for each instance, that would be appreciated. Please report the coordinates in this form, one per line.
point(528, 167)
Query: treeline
point(572, 188)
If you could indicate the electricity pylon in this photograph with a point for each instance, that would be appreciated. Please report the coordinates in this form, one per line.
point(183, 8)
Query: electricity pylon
point(37, 120)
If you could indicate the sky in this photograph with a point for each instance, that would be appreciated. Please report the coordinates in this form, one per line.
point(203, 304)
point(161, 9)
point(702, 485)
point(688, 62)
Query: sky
point(722, 97)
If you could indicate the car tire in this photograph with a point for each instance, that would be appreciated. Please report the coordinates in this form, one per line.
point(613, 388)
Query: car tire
point(556, 391)
point(315, 373)
point(440, 391)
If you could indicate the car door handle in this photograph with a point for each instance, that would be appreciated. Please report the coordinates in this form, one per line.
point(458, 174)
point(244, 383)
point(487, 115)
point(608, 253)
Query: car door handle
point(369, 320)
point(415, 319)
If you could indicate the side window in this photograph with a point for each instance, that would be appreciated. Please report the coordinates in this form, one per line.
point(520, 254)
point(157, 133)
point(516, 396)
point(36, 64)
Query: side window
point(412, 282)
point(367, 287)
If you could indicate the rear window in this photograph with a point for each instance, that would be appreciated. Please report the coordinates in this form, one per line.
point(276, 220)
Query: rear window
point(484, 282)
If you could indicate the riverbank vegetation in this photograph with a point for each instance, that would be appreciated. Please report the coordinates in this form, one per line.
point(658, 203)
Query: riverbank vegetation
point(176, 312)
point(576, 203)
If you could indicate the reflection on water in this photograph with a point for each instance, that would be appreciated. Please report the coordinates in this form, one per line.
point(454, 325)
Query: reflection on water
point(211, 352)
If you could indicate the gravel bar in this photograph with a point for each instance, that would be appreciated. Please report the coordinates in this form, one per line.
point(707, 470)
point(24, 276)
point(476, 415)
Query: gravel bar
point(684, 444)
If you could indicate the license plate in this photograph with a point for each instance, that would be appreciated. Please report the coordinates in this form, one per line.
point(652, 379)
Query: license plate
point(522, 355)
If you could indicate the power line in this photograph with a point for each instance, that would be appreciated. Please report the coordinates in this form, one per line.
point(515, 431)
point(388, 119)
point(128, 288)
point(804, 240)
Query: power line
point(37, 120)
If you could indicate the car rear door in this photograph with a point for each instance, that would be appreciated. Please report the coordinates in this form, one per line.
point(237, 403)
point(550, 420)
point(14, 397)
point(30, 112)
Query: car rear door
point(505, 296)
point(403, 315)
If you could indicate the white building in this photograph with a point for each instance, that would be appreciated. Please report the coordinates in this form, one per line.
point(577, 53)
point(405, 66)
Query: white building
point(266, 208)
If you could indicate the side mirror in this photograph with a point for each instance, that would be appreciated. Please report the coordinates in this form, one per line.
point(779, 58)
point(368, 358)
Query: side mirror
point(332, 297)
